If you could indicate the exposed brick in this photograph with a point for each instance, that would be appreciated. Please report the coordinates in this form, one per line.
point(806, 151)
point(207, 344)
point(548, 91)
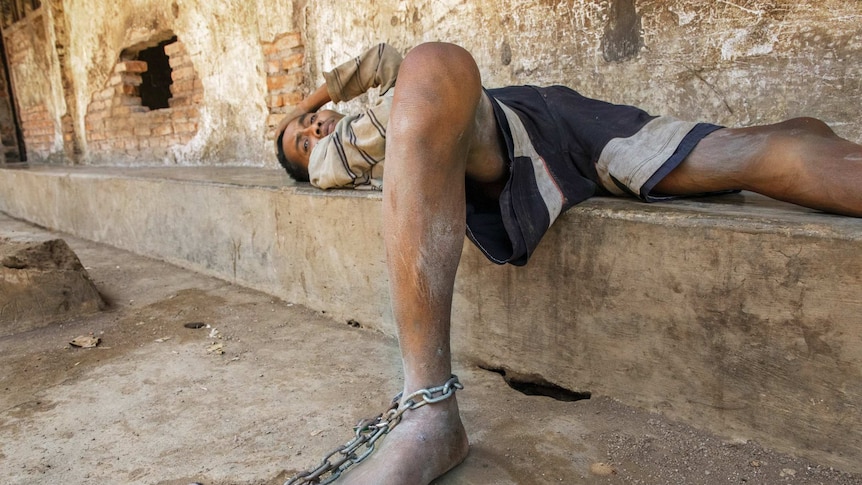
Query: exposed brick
point(185, 127)
point(122, 124)
point(183, 73)
point(178, 115)
point(174, 48)
point(158, 117)
point(123, 134)
point(182, 87)
point(179, 101)
point(129, 100)
point(129, 90)
point(189, 113)
point(294, 81)
point(292, 98)
point(288, 41)
point(133, 79)
point(269, 49)
point(105, 94)
point(274, 101)
point(174, 139)
point(131, 66)
point(163, 129)
point(293, 61)
point(179, 61)
point(120, 111)
point(273, 66)
point(277, 82)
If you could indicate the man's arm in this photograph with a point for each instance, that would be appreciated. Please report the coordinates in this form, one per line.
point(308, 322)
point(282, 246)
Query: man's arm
point(313, 101)
point(375, 67)
point(378, 66)
point(309, 104)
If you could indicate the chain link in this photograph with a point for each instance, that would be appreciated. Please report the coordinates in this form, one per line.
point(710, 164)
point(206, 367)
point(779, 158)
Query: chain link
point(368, 431)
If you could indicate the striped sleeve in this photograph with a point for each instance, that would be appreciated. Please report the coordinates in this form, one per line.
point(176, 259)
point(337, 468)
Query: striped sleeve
point(375, 67)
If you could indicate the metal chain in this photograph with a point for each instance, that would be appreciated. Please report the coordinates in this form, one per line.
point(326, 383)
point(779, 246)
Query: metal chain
point(368, 431)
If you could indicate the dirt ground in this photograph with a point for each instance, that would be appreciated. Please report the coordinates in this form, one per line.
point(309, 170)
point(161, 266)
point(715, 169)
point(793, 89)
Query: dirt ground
point(265, 387)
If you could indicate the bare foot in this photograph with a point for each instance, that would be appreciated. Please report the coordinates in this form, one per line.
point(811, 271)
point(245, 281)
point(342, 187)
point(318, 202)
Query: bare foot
point(428, 442)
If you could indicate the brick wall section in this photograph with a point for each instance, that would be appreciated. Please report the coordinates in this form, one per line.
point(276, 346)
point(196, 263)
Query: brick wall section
point(38, 127)
point(118, 126)
point(39, 130)
point(285, 77)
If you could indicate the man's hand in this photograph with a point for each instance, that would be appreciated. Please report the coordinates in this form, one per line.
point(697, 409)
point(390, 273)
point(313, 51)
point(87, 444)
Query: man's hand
point(310, 104)
point(291, 115)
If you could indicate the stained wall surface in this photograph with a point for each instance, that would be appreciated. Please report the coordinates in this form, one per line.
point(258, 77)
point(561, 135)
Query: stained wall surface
point(734, 62)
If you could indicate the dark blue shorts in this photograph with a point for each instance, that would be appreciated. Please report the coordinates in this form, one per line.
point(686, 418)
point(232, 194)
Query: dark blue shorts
point(564, 148)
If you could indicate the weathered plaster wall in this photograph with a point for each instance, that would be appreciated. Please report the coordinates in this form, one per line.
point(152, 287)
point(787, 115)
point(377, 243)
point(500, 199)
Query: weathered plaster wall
point(734, 62)
point(728, 61)
point(223, 42)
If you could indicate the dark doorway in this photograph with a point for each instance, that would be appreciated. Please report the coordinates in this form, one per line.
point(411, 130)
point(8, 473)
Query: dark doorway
point(155, 88)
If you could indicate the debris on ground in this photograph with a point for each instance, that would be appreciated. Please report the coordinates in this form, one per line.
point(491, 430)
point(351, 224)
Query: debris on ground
point(85, 341)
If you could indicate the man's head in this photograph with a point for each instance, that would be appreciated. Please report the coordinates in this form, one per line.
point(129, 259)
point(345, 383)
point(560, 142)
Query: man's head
point(294, 143)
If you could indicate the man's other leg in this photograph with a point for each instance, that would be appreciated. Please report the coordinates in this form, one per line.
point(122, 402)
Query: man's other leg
point(431, 128)
point(800, 161)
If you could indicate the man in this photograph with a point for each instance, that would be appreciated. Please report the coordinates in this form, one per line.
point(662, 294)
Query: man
point(501, 165)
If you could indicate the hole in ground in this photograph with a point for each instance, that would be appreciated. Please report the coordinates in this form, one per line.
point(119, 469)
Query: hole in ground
point(537, 386)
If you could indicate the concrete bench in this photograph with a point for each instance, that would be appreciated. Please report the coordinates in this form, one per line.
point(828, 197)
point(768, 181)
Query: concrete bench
point(737, 314)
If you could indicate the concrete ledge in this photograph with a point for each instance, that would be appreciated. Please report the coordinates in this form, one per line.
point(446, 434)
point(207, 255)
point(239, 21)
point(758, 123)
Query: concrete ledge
point(737, 314)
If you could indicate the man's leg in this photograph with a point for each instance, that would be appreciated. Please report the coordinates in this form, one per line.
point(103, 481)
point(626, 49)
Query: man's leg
point(430, 132)
point(800, 161)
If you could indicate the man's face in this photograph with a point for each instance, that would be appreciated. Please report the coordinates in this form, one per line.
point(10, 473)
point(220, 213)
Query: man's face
point(302, 133)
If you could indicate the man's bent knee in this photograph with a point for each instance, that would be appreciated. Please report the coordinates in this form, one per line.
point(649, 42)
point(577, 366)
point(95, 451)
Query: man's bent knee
point(804, 126)
point(435, 103)
point(440, 72)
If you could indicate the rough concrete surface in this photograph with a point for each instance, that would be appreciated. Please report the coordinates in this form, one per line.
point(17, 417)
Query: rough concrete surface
point(266, 387)
point(735, 313)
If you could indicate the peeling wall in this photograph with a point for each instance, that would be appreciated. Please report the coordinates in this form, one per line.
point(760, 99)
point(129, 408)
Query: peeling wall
point(734, 62)
point(223, 42)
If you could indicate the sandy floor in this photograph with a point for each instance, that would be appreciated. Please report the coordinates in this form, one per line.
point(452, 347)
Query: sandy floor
point(266, 387)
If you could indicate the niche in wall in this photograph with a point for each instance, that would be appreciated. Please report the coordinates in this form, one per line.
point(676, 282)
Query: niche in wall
point(149, 105)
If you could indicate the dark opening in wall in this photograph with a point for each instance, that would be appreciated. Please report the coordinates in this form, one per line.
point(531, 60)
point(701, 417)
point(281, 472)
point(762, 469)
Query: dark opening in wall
point(155, 88)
